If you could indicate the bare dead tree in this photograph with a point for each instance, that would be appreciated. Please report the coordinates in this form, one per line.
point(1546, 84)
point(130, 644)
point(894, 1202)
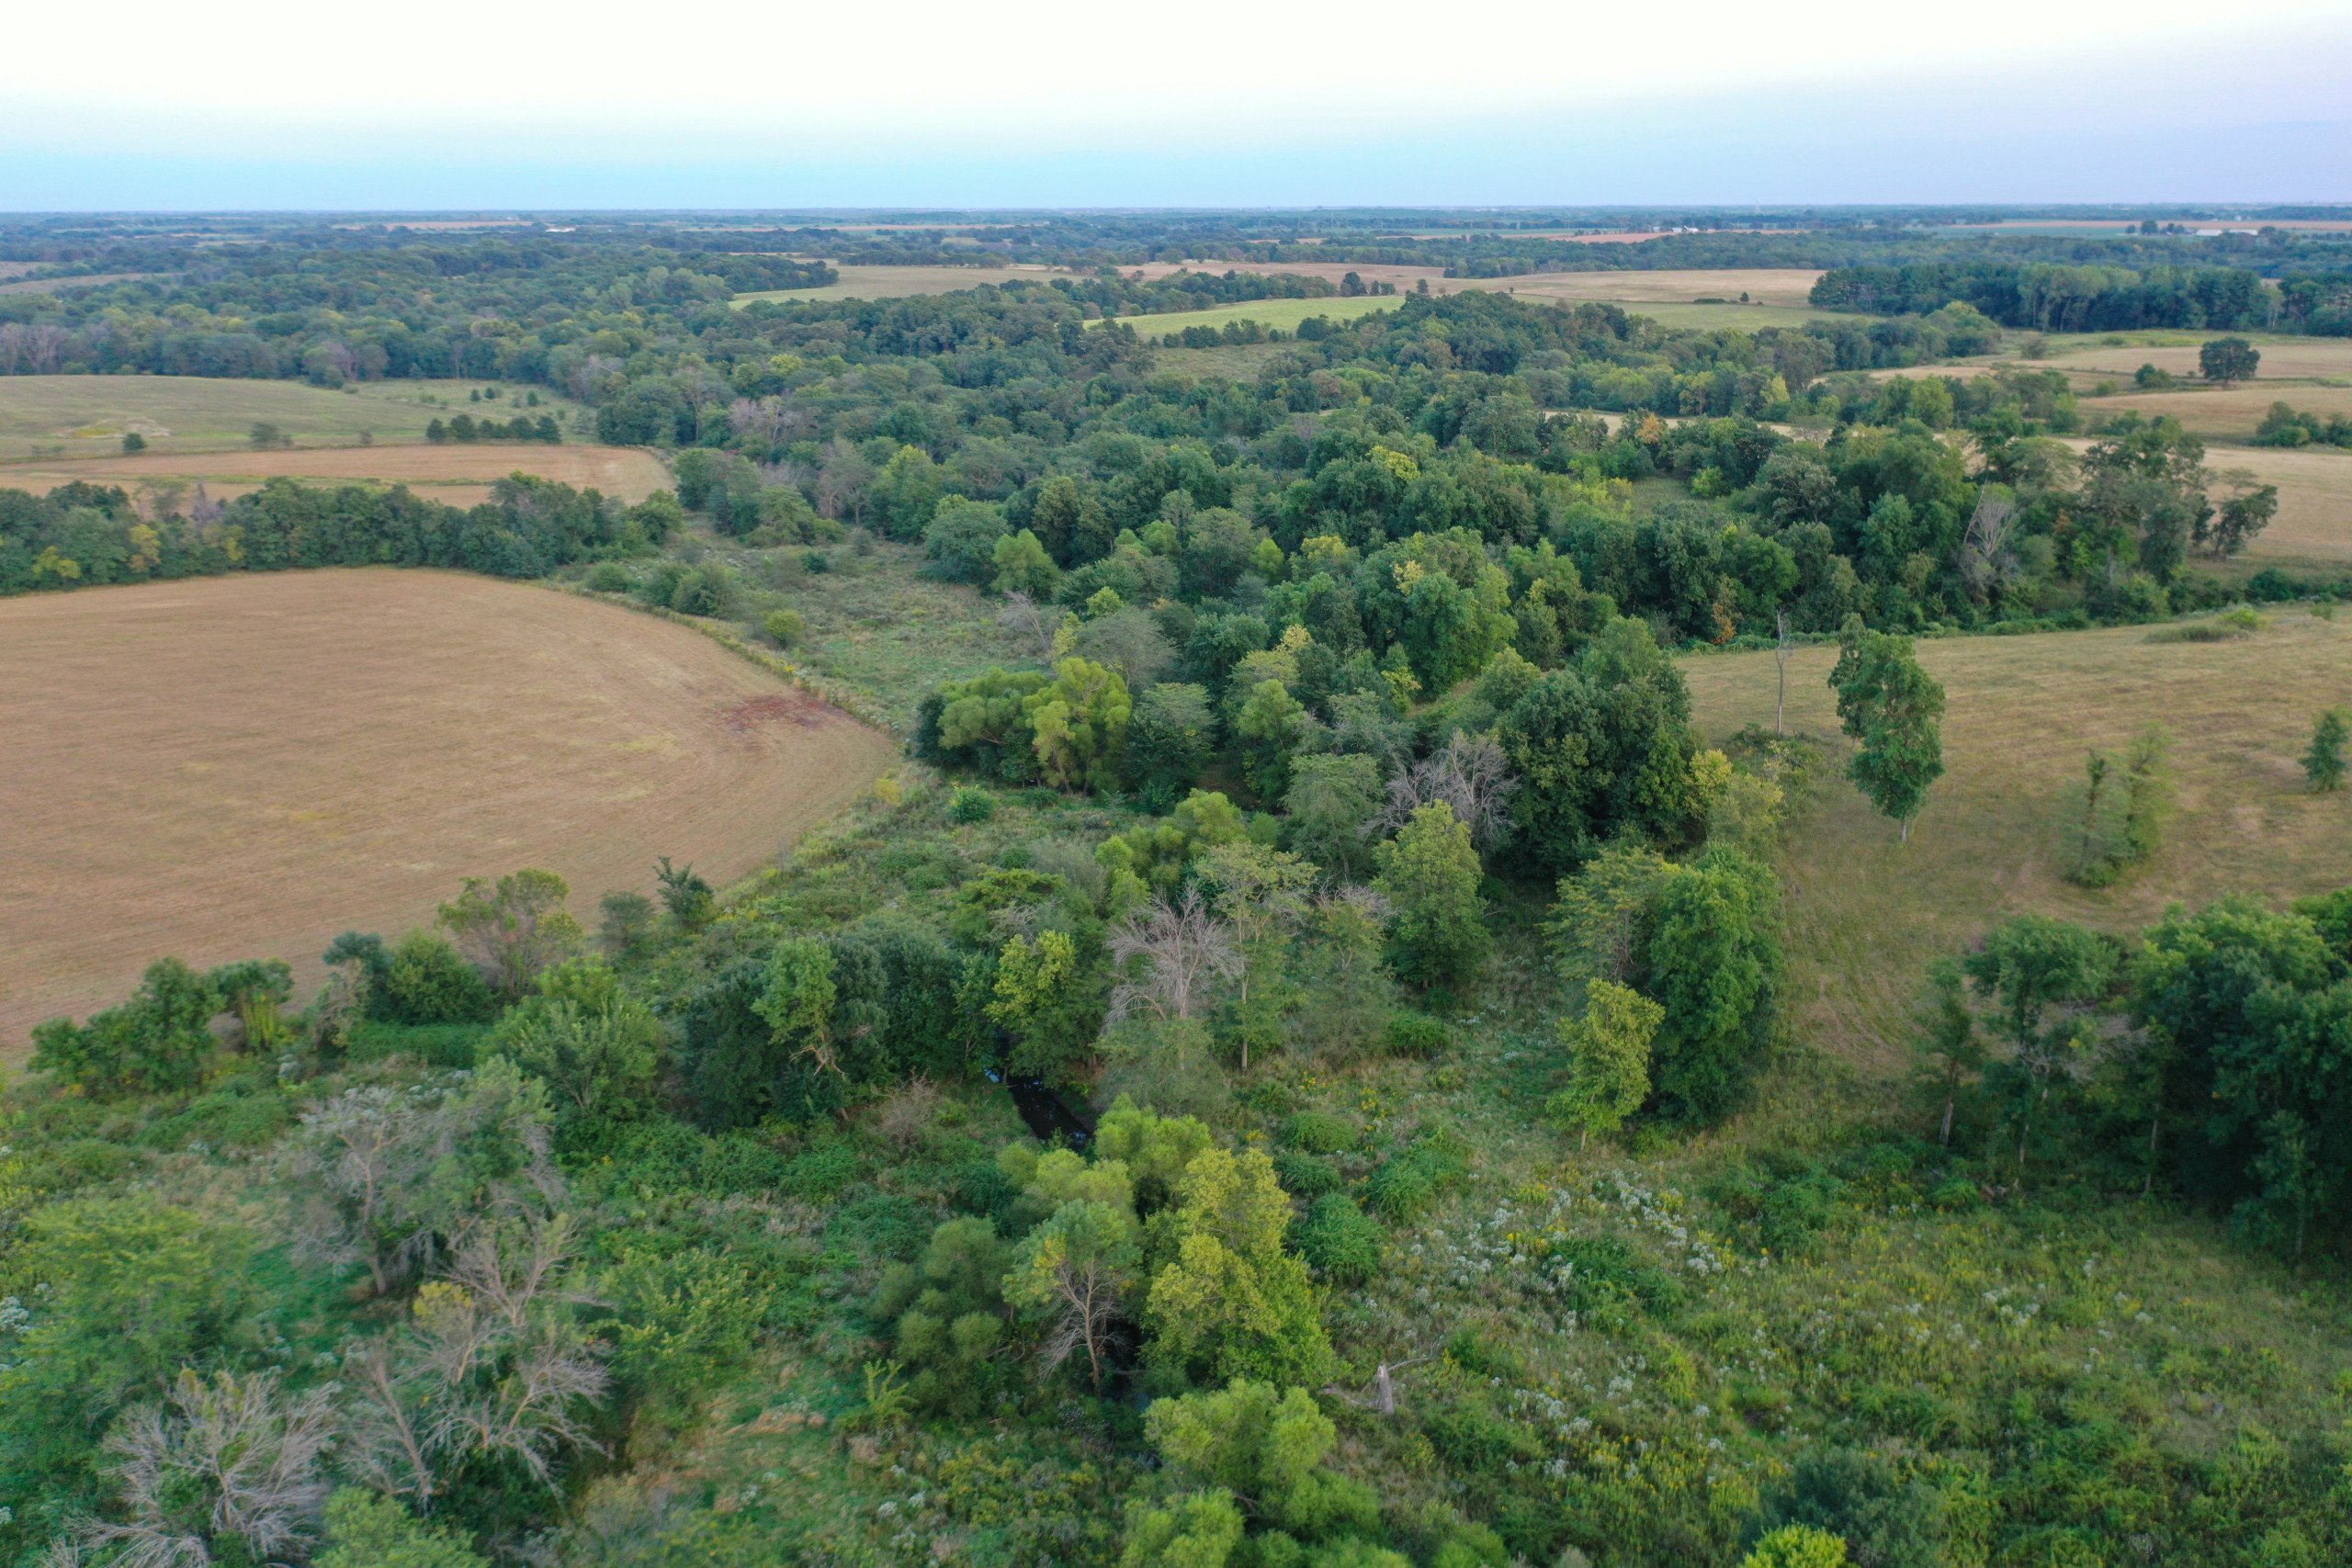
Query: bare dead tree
point(1985, 555)
point(1032, 626)
point(223, 1458)
point(1381, 1398)
point(1471, 774)
point(1180, 948)
point(1780, 657)
point(770, 421)
point(1090, 1291)
point(492, 1361)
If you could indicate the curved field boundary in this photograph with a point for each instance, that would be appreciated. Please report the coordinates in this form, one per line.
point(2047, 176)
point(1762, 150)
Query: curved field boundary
point(243, 766)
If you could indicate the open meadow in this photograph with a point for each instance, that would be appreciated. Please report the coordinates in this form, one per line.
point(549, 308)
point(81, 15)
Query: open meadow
point(1282, 314)
point(1866, 913)
point(243, 766)
point(87, 416)
point(460, 474)
point(2225, 414)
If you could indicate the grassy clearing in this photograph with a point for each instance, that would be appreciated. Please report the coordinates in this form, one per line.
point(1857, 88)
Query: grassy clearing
point(1866, 913)
point(87, 416)
point(1285, 314)
point(459, 474)
point(900, 282)
point(877, 625)
point(243, 766)
point(1235, 362)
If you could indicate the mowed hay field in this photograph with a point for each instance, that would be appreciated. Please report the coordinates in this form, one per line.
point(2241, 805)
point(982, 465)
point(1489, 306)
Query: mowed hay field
point(2229, 413)
point(2283, 359)
point(243, 766)
point(461, 475)
point(52, 417)
point(903, 282)
point(1867, 913)
point(2315, 522)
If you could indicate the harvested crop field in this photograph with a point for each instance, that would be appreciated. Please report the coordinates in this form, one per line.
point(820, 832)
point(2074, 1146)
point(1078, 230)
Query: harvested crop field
point(459, 474)
point(49, 417)
point(1866, 912)
point(243, 766)
point(900, 282)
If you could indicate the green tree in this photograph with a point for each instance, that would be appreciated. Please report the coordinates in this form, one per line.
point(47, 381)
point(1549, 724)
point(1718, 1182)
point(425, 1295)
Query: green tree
point(1329, 811)
point(1267, 729)
point(1714, 963)
point(1170, 738)
point(1076, 1270)
point(160, 1039)
point(513, 929)
point(1196, 1529)
point(1021, 565)
point(2228, 359)
point(1229, 1302)
point(596, 1047)
point(2031, 967)
point(1797, 1546)
point(366, 1531)
point(1078, 725)
point(1609, 1059)
point(796, 1000)
point(1265, 1447)
point(427, 980)
point(1947, 1042)
point(1894, 708)
point(1430, 876)
point(2323, 760)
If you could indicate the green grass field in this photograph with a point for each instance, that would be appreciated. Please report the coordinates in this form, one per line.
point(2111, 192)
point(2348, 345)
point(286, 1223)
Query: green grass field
point(1234, 361)
point(1867, 913)
point(87, 416)
point(1285, 314)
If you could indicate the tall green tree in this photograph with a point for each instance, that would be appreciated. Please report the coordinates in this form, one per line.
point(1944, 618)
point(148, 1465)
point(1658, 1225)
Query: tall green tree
point(2323, 760)
point(1894, 709)
point(1609, 1059)
point(1429, 874)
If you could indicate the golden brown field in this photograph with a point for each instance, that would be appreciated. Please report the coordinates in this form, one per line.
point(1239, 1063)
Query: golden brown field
point(2299, 359)
point(2225, 412)
point(1866, 913)
point(244, 766)
point(898, 282)
point(461, 475)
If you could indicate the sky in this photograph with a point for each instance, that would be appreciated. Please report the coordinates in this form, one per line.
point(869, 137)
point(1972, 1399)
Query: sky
point(267, 103)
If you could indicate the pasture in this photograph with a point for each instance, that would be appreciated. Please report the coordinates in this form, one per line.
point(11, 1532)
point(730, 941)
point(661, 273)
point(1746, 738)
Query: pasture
point(902, 282)
point(87, 416)
point(1866, 913)
point(2283, 359)
point(461, 475)
point(243, 766)
point(2225, 414)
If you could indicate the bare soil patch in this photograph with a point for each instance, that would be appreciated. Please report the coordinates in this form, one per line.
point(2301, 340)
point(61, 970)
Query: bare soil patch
point(244, 766)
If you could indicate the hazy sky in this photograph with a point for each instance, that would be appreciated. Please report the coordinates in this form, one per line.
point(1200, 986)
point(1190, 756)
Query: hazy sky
point(265, 103)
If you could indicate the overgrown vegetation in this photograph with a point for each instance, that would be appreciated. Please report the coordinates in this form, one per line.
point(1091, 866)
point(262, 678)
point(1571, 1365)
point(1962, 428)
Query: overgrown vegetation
point(1299, 1068)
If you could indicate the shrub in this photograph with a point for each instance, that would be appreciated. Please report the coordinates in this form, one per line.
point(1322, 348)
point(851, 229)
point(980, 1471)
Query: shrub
point(428, 981)
point(784, 627)
point(971, 805)
point(1304, 1176)
point(610, 577)
point(1340, 1240)
point(1412, 1180)
point(1320, 1132)
point(1417, 1034)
